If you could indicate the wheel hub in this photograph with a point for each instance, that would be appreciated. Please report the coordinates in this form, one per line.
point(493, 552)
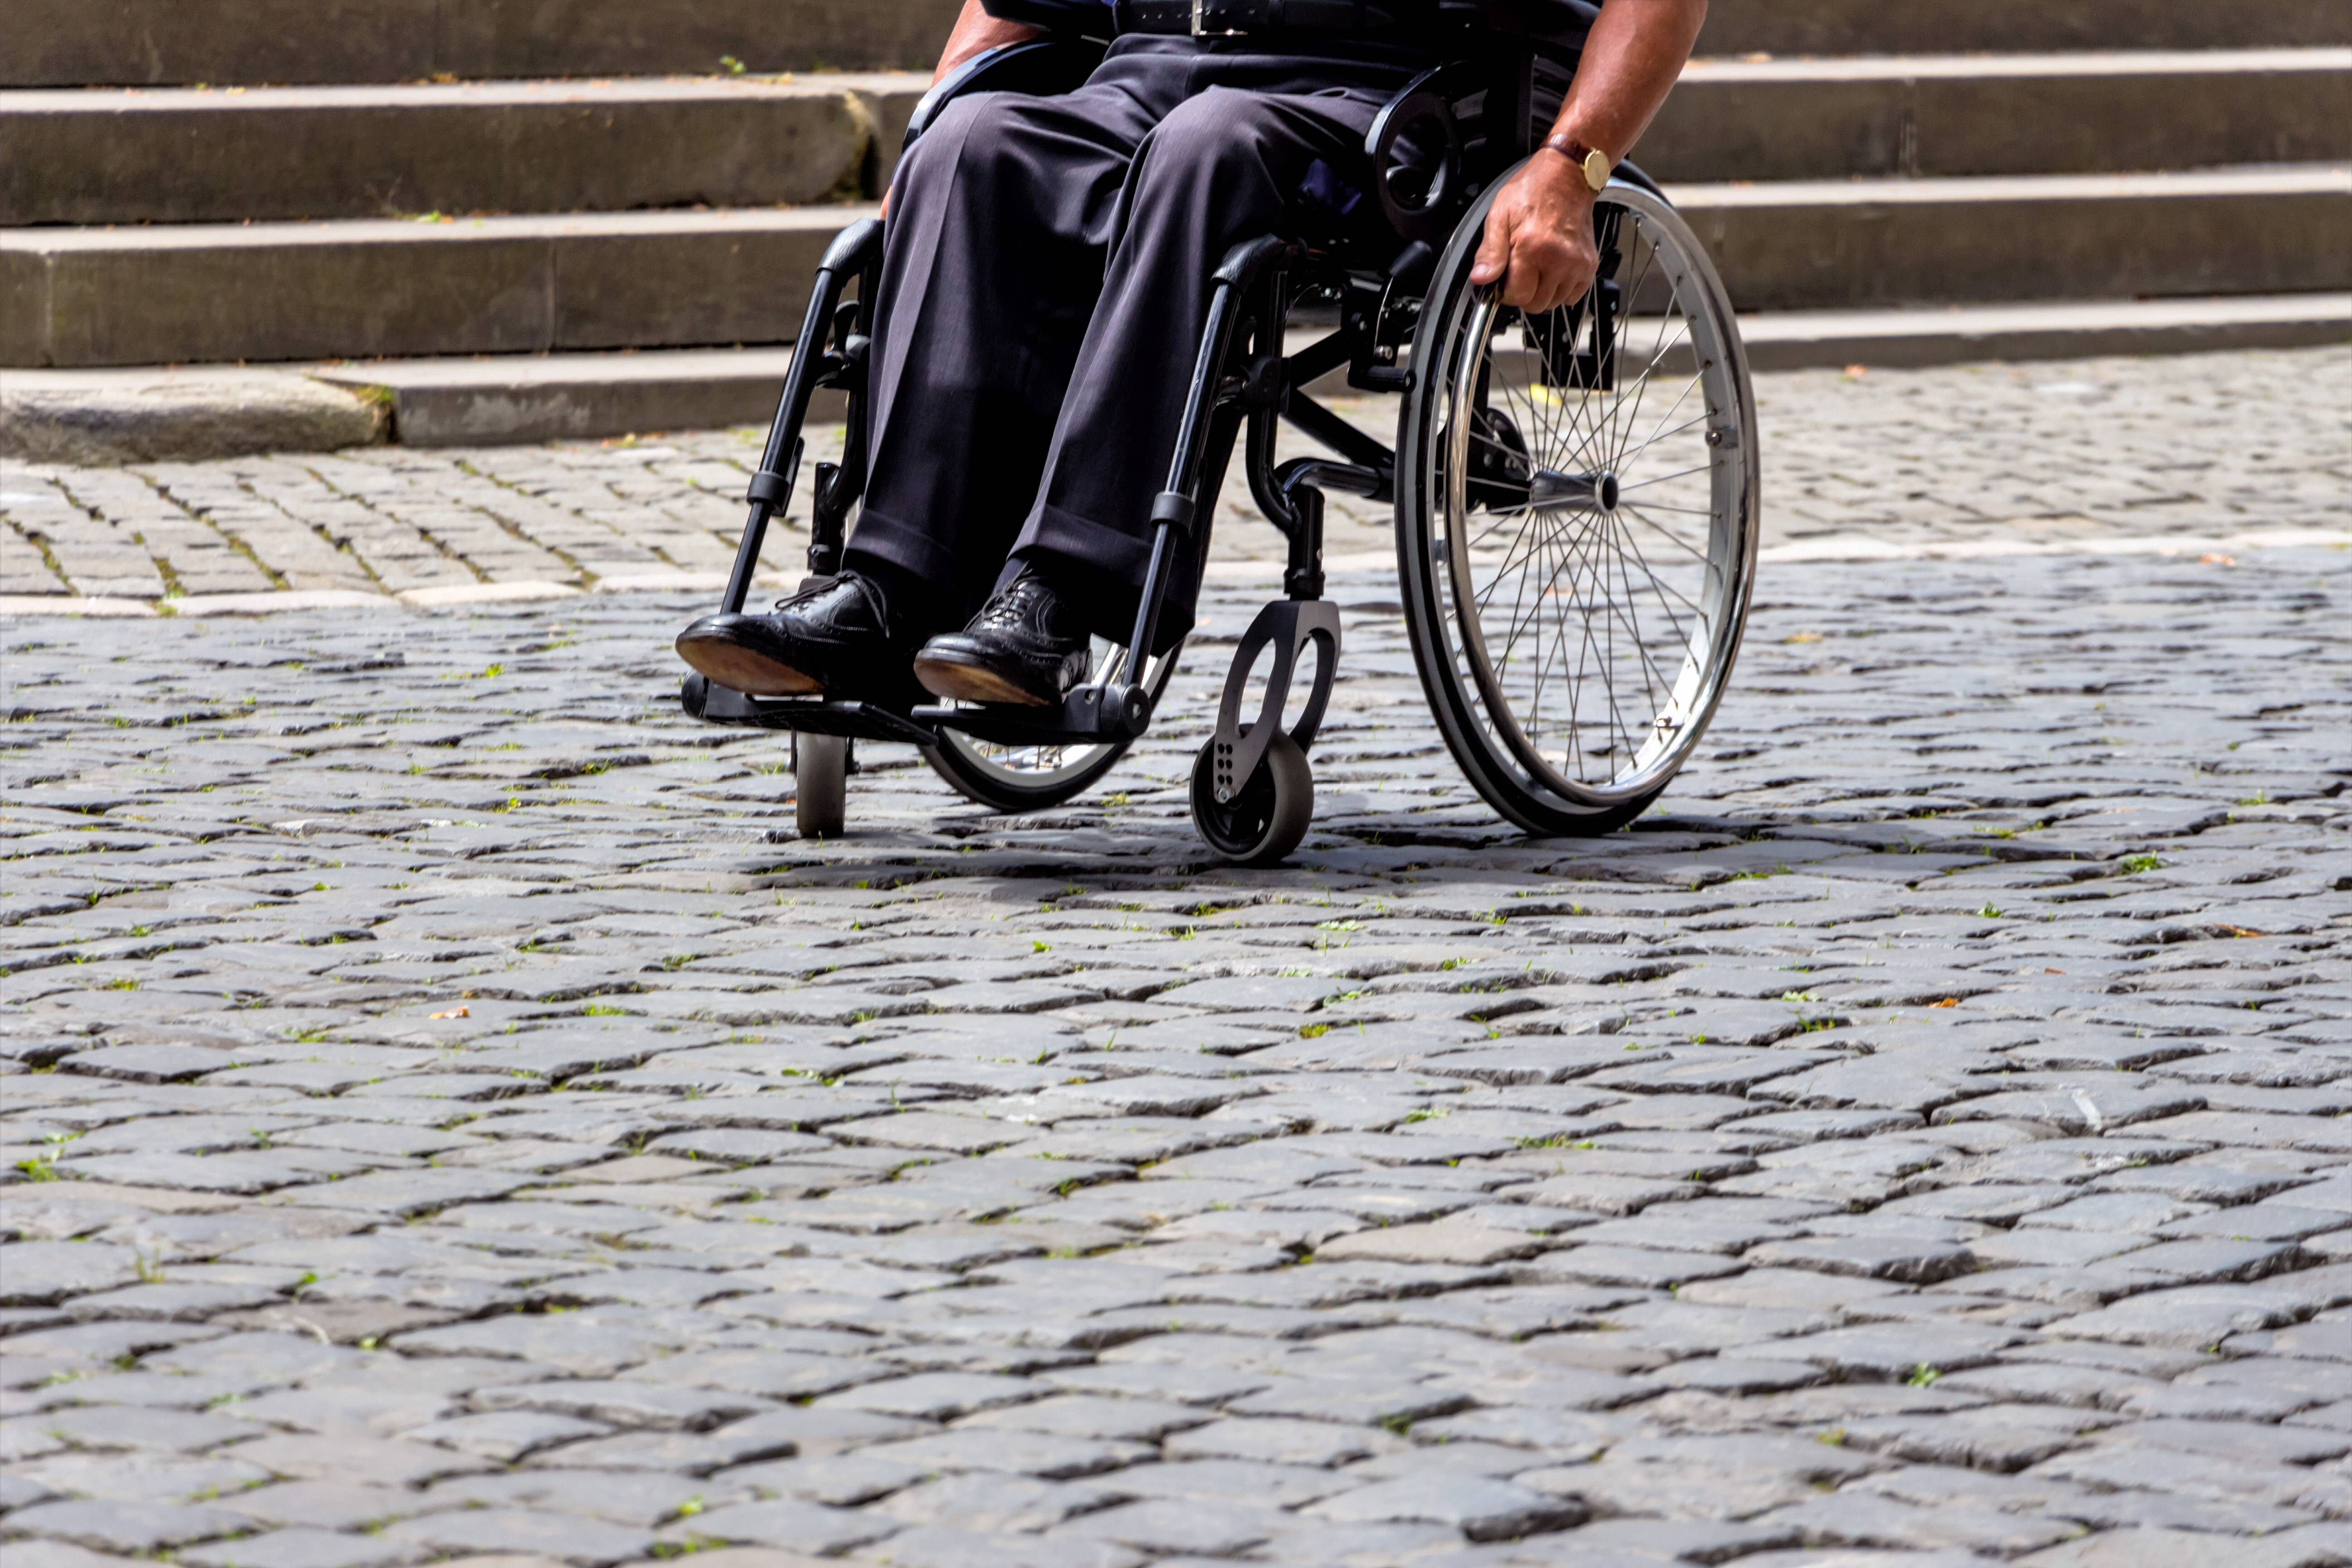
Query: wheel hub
point(1552, 491)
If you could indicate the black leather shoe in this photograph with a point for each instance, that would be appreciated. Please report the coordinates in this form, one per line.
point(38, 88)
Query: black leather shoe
point(1026, 646)
point(834, 637)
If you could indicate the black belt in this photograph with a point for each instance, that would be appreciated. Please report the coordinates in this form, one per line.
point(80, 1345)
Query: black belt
point(1217, 19)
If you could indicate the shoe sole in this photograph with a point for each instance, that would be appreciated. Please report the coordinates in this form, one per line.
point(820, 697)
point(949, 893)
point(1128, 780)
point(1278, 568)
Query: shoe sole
point(739, 668)
point(971, 683)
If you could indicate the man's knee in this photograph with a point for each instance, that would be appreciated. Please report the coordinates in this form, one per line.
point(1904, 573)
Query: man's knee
point(1222, 136)
point(974, 134)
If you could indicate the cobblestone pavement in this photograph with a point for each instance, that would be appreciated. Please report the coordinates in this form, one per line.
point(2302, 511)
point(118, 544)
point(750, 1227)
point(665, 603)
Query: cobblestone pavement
point(2205, 452)
point(448, 1113)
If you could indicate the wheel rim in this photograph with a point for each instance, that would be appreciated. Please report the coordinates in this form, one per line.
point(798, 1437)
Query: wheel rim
point(1590, 548)
point(1237, 827)
point(1267, 816)
point(1048, 768)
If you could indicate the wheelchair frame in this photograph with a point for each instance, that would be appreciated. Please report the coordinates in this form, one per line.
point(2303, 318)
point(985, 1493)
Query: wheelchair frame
point(1242, 384)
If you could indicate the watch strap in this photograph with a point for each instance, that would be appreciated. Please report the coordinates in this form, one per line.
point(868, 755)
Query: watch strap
point(1594, 165)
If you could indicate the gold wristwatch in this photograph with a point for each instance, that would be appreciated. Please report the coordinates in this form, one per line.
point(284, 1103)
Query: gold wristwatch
point(1591, 162)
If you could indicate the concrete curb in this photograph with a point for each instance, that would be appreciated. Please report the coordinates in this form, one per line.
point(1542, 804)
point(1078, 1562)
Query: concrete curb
point(505, 400)
point(486, 594)
point(95, 418)
point(138, 416)
point(271, 604)
point(1919, 339)
point(96, 608)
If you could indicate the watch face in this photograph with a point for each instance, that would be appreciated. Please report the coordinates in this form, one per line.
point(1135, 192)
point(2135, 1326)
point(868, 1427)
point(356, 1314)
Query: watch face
point(1596, 169)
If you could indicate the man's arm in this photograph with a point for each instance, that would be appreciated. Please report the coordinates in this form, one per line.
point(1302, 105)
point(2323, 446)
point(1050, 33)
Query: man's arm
point(1538, 236)
point(976, 30)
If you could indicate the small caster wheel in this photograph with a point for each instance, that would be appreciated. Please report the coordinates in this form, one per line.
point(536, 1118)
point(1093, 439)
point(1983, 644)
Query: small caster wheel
point(821, 781)
point(1265, 820)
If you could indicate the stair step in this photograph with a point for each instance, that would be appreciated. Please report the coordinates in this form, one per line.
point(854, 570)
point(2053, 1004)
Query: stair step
point(373, 288)
point(1963, 27)
point(184, 293)
point(547, 397)
point(1940, 115)
point(178, 156)
point(159, 43)
point(1803, 339)
point(1806, 245)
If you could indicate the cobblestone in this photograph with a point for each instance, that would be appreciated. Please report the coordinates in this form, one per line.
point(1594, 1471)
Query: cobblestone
point(448, 1112)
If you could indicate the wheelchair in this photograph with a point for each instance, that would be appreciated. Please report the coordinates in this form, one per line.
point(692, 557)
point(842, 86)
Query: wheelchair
point(1575, 493)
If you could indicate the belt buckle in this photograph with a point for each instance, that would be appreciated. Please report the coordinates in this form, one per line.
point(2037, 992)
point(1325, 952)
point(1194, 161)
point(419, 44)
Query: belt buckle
point(1203, 28)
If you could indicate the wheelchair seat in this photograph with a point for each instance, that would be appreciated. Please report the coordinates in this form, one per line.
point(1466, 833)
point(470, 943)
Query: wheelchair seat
point(1576, 493)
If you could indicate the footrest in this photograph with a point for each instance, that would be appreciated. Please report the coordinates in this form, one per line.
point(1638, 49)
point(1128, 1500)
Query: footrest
point(1089, 716)
point(806, 715)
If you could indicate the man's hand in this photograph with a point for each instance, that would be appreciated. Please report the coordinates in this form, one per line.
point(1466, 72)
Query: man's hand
point(1538, 237)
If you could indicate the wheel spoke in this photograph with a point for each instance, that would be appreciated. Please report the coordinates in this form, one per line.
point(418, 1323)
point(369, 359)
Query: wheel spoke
point(1677, 540)
point(1657, 581)
point(1662, 478)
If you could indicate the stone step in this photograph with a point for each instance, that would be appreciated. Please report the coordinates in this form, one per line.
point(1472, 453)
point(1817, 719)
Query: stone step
point(2039, 329)
point(154, 43)
point(160, 43)
point(178, 156)
point(373, 288)
point(1813, 245)
point(151, 414)
point(189, 292)
point(1995, 26)
point(1936, 115)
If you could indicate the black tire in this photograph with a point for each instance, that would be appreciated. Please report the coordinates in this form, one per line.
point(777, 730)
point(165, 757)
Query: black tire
point(1034, 778)
point(1514, 570)
point(1268, 818)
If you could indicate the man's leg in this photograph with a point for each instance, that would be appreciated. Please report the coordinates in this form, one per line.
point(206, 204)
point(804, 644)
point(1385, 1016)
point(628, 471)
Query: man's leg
point(1231, 164)
point(999, 222)
point(1000, 218)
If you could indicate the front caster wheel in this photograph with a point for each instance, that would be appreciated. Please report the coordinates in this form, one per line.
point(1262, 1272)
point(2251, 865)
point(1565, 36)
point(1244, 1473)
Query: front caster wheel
point(821, 784)
point(1266, 819)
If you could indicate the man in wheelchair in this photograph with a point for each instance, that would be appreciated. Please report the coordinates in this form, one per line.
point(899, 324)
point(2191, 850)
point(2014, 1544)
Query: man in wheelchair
point(1044, 282)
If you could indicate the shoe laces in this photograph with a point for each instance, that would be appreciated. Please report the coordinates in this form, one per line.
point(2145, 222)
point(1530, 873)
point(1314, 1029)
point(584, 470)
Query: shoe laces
point(865, 586)
point(1007, 611)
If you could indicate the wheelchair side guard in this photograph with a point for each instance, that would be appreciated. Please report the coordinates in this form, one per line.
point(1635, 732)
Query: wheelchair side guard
point(1042, 66)
point(1288, 626)
point(1177, 509)
point(830, 352)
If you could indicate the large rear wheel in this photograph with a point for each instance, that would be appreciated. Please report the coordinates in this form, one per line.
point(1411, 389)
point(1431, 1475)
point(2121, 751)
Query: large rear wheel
point(1576, 521)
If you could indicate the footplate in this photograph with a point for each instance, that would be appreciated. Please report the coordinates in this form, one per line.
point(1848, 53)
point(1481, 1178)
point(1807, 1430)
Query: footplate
point(1288, 626)
point(803, 715)
point(1113, 712)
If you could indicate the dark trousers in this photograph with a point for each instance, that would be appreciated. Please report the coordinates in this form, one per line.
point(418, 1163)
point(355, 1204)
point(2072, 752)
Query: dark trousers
point(1045, 285)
